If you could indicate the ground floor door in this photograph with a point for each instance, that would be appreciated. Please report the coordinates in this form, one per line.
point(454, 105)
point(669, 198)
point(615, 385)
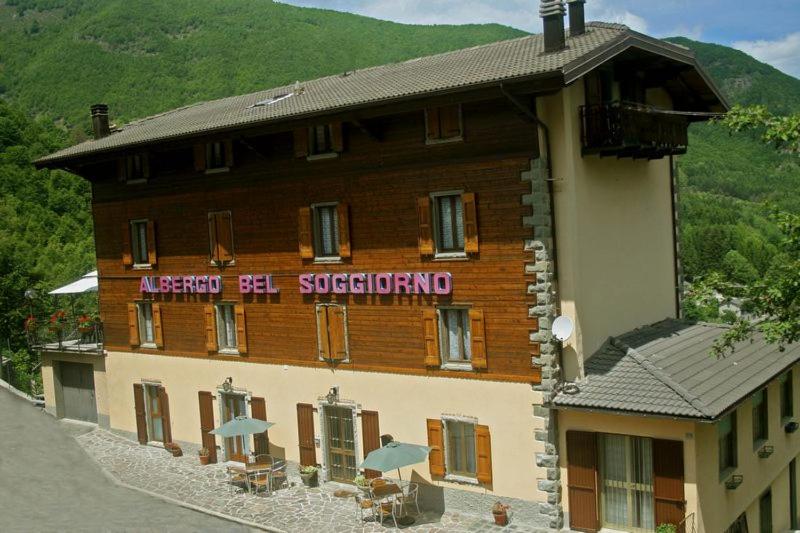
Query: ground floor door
point(77, 391)
point(155, 418)
point(626, 483)
point(340, 443)
point(234, 405)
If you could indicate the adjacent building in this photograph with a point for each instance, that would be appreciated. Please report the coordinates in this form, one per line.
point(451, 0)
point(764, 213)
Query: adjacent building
point(383, 251)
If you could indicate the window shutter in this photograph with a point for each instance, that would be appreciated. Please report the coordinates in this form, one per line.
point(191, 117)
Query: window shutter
point(207, 424)
point(258, 409)
point(337, 137)
point(127, 251)
point(228, 153)
point(323, 332)
point(152, 256)
point(305, 434)
point(158, 331)
point(477, 334)
point(304, 233)
point(483, 450)
point(211, 327)
point(432, 129)
point(436, 443)
point(212, 237)
point(141, 415)
point(582, 480)
point(450, 119)
point(668, 481)
point(224, 236)
point(371, 436)
point(430, 325)
point(336, 329)
point(301, 142)
point(470, 223)
point(200, 157)
point(163, 406)
point(343, 211)
point(425, 228)
point(133, 325)
point(241, 329)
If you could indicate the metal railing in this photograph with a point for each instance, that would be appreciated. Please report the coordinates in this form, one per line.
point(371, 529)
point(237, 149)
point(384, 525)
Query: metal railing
point(64, 333)
point(687, 524)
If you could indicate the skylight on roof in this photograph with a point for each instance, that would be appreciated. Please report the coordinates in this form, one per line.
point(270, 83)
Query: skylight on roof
point(272, 100)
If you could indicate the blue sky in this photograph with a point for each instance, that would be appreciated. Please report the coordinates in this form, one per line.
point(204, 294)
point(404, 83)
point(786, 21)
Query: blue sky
point(766, 29)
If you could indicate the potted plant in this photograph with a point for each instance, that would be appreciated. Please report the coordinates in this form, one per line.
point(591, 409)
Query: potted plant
point(205, 456)
point(31, 324)
point(309, 475)
point(58, 322)
point(362, 483)
point(85, 324)
point(500, 513)
point(667, 528)
point(173, 448)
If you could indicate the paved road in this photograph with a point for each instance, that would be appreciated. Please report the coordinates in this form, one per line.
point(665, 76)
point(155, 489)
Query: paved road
point(48, 483)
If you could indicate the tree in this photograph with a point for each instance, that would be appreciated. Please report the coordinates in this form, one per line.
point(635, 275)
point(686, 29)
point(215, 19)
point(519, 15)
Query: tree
point(737, 268)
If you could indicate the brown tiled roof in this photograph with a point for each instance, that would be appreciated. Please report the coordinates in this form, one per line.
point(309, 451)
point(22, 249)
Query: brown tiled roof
point(514, 59)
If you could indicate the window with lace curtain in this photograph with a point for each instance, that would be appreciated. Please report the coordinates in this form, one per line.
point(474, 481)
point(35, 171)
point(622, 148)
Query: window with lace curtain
point(449, 223)
point(326, 230)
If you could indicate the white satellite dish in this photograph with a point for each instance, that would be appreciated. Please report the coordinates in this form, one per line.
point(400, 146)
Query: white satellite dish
point(562, 328)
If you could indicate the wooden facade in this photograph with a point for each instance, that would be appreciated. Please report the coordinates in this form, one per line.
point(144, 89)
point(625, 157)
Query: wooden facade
point(384, 167)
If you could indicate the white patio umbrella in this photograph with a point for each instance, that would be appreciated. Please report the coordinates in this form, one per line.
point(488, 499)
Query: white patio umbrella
point(240, 426)
point(395, 455)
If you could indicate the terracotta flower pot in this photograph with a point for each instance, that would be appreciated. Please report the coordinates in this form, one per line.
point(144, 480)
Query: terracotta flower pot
point(204, 459)
point(500, 518)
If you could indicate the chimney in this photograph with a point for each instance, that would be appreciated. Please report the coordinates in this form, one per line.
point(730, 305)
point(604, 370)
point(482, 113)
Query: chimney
point(100, 121)
point(552, 13)
point(577, 20)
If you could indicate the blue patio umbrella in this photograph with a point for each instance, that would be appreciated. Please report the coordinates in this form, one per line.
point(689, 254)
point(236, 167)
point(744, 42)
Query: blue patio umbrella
point(395, 455)
point(242, 425)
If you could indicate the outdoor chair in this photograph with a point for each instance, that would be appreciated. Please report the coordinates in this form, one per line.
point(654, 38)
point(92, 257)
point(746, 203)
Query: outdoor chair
point(363, 505)
point(387, 508)
point(277, 475)
point(259, 480)
point(375, 483)
point(260, 473)
point(410, 497)
point(237, 478)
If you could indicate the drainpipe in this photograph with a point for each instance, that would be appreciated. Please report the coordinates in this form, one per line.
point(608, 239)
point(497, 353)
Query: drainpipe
point(673, 196)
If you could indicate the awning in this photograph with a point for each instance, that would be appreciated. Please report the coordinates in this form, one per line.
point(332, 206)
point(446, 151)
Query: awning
point(88, 283)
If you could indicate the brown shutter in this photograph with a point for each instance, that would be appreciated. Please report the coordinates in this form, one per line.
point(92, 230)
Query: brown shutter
point(425, 227)
point(668, 481)
point(141, 415)
point(241, 329)
point(371, 436)
point(211, 327)
point(158, 331)
point(224, 236)
point(163, 407)
point(152, 256)
point(337, 137)
point(337, 333)
point(430, 325)
point(127, 252)
point(207, 424)
point(301, 142)
point(450, 120)
point(483, 448)
point(133, 325)
point(228, 143)
point(258, 409)
point(582, 480)
point(304, 235)
point(305, 433)
point(477, 334)
point(200, 157)
point(432, 130)
point(470, 223)
point(436, 443)
point(343, 211)
point(323, 332)
point(213, 240)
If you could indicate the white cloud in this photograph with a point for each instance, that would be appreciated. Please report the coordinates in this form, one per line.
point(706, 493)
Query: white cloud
point(783, 54)
point(599, 10)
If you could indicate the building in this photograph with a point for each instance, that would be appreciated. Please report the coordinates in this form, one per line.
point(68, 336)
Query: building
point(383, 251)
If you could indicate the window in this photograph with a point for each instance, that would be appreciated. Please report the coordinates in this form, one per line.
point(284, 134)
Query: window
point(726, 435)
point(220, 235)
point(765, 512)
point(226, 328)
point(319, 140)
point(739, 526)
point(454, 332)
point(760, 418)
point(460, 451)
point(134, 168)
point(326, 231)
point(793, 494)
point(146, 325)
point(449, 215)
point(139, 242)
point(787, 395)
point(216, 156)
point(155, 422)
point(332, 332)
point(626, 478)
point(443, 124)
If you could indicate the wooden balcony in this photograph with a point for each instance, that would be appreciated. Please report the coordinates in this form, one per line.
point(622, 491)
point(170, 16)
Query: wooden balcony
point(630, 130)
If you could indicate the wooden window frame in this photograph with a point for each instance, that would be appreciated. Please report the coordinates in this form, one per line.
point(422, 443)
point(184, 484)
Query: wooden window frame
point(446, 363)
point(628, 484)
point(438, 251)
point(314, 151)
point(320, 339)
point(316, 232)
point(433, 141)
point(470, 478)
point(212, 242)
point(211, 166)
point(219, 399)
point(219, 322)
point(135, 244)
point(141, 324)
point(152, 386)
point(787, 396)
point(132, 175)
point(760, 412)
point(727, 469)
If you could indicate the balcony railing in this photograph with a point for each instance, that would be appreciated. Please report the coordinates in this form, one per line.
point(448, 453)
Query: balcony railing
point(64, 333)
point(631, 130)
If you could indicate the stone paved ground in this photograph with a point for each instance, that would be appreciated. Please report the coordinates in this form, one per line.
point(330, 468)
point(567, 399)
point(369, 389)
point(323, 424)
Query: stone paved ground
point(293, 509)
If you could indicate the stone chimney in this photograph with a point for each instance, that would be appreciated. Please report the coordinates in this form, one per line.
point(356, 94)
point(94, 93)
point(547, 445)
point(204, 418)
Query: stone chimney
point(552, 13)
point(577, 20)
point(100, 121)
